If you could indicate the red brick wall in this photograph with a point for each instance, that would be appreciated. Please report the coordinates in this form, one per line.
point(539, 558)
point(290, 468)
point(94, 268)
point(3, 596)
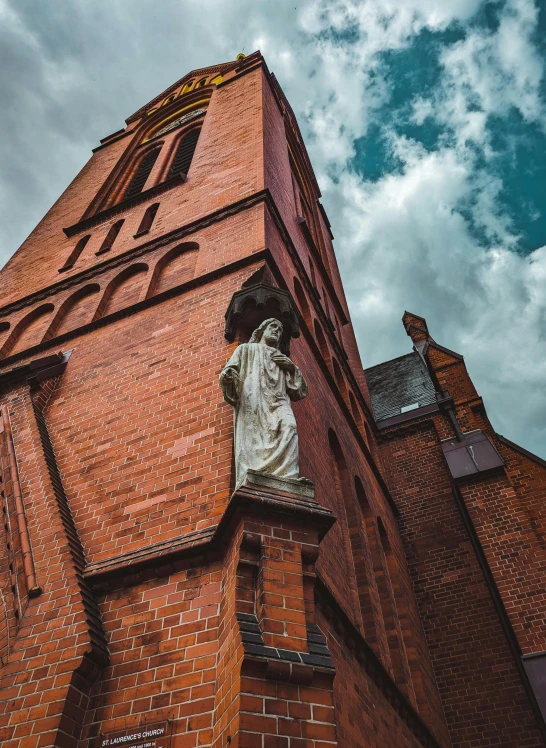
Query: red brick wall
point(140, 442)
point(163, 641)
point(481, 691)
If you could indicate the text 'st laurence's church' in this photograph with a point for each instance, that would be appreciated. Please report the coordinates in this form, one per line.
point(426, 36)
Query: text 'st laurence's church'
point(218, 529)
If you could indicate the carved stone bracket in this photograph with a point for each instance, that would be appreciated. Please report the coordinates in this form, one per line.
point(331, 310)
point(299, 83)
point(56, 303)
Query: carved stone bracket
point(249, 307)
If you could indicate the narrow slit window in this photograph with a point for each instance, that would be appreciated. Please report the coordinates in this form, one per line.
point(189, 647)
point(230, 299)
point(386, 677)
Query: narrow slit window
point(76, 252)
point(147, 220)
point(141, 175)
point(111, 236)
point(184, 154)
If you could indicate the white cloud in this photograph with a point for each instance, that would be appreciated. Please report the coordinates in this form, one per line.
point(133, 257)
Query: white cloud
point(419, 254)
point(488, 73)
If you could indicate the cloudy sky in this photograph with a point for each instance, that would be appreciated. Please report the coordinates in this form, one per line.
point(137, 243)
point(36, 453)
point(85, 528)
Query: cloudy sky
point(425, 121)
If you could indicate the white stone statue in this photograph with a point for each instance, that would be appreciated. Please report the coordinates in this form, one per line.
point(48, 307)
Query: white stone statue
point(259, 381)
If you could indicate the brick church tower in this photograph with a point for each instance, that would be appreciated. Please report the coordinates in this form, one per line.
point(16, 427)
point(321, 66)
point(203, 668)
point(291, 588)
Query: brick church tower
point(146, 600)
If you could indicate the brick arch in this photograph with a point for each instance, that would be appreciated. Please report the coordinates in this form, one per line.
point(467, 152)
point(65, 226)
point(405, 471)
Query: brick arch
point(356, 559)
point(322, 344)
point(75, 311)
point(27, 332)
point(302, 303)
point(175, 267)
point(189, 133)
point(187, 87)
point(4, 328)
point(75, 254)
point(371, 443)
point(123, 291)
point(383, 588)
point(340, 379)
point(357, 415)
point(124, 179)
point(406, 626)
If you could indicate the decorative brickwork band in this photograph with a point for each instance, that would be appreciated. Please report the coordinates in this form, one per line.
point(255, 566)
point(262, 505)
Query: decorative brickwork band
point(99, 646)
point(33, 588)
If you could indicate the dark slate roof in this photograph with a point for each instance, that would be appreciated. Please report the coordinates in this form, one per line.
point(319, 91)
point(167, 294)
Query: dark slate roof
point(397, 383)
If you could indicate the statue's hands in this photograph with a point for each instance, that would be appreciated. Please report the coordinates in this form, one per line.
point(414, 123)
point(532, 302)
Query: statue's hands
point(283, 362)
point(229, 381)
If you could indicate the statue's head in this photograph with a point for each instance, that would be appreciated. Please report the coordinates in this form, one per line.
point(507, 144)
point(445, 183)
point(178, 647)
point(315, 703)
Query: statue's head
point(269, 332)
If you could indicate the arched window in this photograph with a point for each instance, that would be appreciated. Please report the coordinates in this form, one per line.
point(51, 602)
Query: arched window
point(312, 271)
point(111, 237)
point(75, 311)
point(201, 83)
point(302, 302)
point(168, 100)
point(76, 252)
point(187, 87)
point(4, 327)
point(28, 332)
point(123, 291)
point(141, 175)
point(406, 627)
point(321, 340)
point(355, 410)
point(175, 267)
point(147, 220)
point(384, 589)
point(340, 379)
point(357, 558)
point(184, 154)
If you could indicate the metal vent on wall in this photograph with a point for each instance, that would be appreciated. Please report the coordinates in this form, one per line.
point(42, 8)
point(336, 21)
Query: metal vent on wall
point(474, 454)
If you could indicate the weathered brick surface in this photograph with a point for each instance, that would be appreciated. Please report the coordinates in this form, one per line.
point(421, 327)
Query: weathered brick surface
point(127, 470)
point(163, 645)
point(460, 568)
point(360, 704)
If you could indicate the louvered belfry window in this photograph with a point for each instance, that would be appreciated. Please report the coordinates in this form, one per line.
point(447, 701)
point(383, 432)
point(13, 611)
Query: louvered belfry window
point(184, 154)
point(142, 173)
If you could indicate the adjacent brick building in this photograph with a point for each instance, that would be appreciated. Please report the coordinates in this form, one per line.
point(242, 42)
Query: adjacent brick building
point(144, 601)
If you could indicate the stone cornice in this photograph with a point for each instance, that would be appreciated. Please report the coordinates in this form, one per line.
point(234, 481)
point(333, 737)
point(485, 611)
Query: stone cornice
point(411, 415)
point(112, 139)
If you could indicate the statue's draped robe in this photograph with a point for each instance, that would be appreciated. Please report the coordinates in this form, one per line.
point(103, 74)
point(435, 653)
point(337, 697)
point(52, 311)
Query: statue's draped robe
point(266, 438)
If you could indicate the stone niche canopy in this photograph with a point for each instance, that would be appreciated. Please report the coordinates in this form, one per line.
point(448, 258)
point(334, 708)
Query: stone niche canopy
point(250, 306)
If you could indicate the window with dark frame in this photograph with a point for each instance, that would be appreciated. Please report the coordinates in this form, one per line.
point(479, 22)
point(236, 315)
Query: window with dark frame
point(111, 237)
point(184, 154)
point(76, 252)
point(141, 175)
point(147, 220)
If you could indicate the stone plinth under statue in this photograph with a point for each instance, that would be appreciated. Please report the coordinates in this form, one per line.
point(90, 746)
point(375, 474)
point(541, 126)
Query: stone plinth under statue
point(260, 382)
